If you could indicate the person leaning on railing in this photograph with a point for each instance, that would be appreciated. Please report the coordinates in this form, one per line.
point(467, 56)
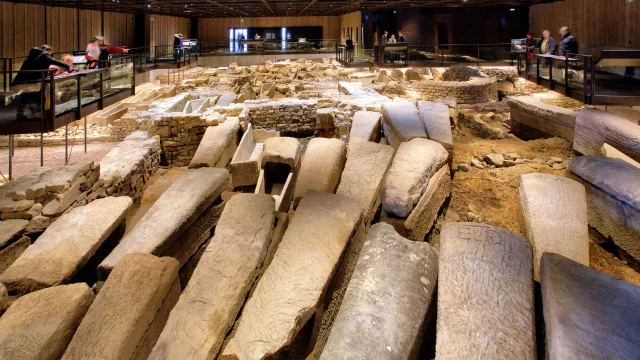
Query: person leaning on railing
point(27, 81)
point(97, 51)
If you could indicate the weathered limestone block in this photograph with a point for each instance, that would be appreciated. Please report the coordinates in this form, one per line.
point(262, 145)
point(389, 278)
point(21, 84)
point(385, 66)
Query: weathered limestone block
point(39, 325)
point(401, 122)
point(533, 119)
point(588, 314)
point(485, 294)
point(123, 321)
point(613, 198)
point(414, 164)
point(217, 146)
point(226, 99)
point(595, 127)
point(291, 288)
point(9, 254)
point(66, 246)
point(245, 164)
point(11, 230)
point(435, 118)
point(365, 125)
point(373, 323)
point(282, 150)
point(364, 172)
point(204, 314)
point(171, 215)
point(196, 235)
point(425, 214)
point(325, 118)
point(321, 167)
point(411, 74)
point(279, 170)
point(554, 211)
point(611, 152)
point(196, 106)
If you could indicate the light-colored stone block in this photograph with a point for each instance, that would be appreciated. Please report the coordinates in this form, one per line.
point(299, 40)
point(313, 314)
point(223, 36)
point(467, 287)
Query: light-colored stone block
point(387, 301)
point(435, 118)
point(365, 125)
point(122, 322)
point(364, 172)
point(425, 214)
point(11, 230)
point(66, 246)
point(613, 198)
point(401, 122)
point(554, 211)
point(291, 289)
point(38, 326)
point(485, 294)
point(245, 164)
point(415, 162)
point(217, 146)
point(204, 314)
point(321, 167)
point(611, 152)
point(588, 315)
point(595, 127)
point(532, 119)
point(176, 209)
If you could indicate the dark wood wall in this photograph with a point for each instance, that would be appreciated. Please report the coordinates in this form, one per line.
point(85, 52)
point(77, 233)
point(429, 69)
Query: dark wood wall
point(471, 25)
point(613, 23)
point(23, 27)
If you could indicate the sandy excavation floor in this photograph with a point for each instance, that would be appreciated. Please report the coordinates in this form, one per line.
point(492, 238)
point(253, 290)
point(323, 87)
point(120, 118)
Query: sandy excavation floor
point(27, 159)
point(491, 195)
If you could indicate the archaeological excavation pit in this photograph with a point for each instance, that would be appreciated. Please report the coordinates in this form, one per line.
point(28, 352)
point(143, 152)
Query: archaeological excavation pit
point(301, 209)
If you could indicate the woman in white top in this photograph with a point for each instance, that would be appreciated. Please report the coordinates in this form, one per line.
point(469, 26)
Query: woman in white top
point(392, 40)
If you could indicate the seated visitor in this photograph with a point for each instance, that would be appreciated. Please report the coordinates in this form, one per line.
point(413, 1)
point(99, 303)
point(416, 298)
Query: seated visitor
point(392, 40)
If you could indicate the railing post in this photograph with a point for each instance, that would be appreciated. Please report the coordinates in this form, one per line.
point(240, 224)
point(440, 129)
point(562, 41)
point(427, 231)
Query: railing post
point(478, 58)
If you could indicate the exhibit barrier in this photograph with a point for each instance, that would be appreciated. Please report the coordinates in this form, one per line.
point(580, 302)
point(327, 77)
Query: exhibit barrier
point(586, 79)
point(44, 105)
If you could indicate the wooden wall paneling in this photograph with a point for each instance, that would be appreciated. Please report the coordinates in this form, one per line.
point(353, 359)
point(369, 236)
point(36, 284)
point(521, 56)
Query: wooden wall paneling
point(594, 22)
point(8, 30)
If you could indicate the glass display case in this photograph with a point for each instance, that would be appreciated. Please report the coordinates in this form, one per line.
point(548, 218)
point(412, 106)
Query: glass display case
point(519, 45)
point(118, 77)
point(66, 93)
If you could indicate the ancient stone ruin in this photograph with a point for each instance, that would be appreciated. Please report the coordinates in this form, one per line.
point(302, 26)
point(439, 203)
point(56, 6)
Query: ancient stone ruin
point(300, 209)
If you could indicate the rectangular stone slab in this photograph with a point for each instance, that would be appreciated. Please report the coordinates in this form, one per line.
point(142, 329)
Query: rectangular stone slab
point(176, 209)
point(435, 118)
point(10, 230)
point(363, 174)
point(611, 152)
point(245, 164)
point(38, 326)
point(613, 198)
point(415, 162)
point(124, 309)
point(532, 119)
point(283, 150)
point(425, 214)
point(595, 127)
point(216, 142)
point(365, 125)
point(588, 315)
point(485, 294)
point(321, 167)
point(554, 211)
point(372, 323)
point(401, 122)
point(290, 290)
point(231, 262)
point(63, 249)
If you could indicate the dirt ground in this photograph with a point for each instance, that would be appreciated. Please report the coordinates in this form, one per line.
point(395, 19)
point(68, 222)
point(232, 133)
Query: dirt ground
point(492, 194)
point(27, 159)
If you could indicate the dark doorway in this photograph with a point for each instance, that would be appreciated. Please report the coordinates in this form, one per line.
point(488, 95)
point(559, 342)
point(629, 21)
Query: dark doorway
point(443, 36)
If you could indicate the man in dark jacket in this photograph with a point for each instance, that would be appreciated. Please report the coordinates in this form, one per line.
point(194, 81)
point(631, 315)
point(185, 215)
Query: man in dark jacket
point(568, 44)
point(39, 59)
point(401, 37)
